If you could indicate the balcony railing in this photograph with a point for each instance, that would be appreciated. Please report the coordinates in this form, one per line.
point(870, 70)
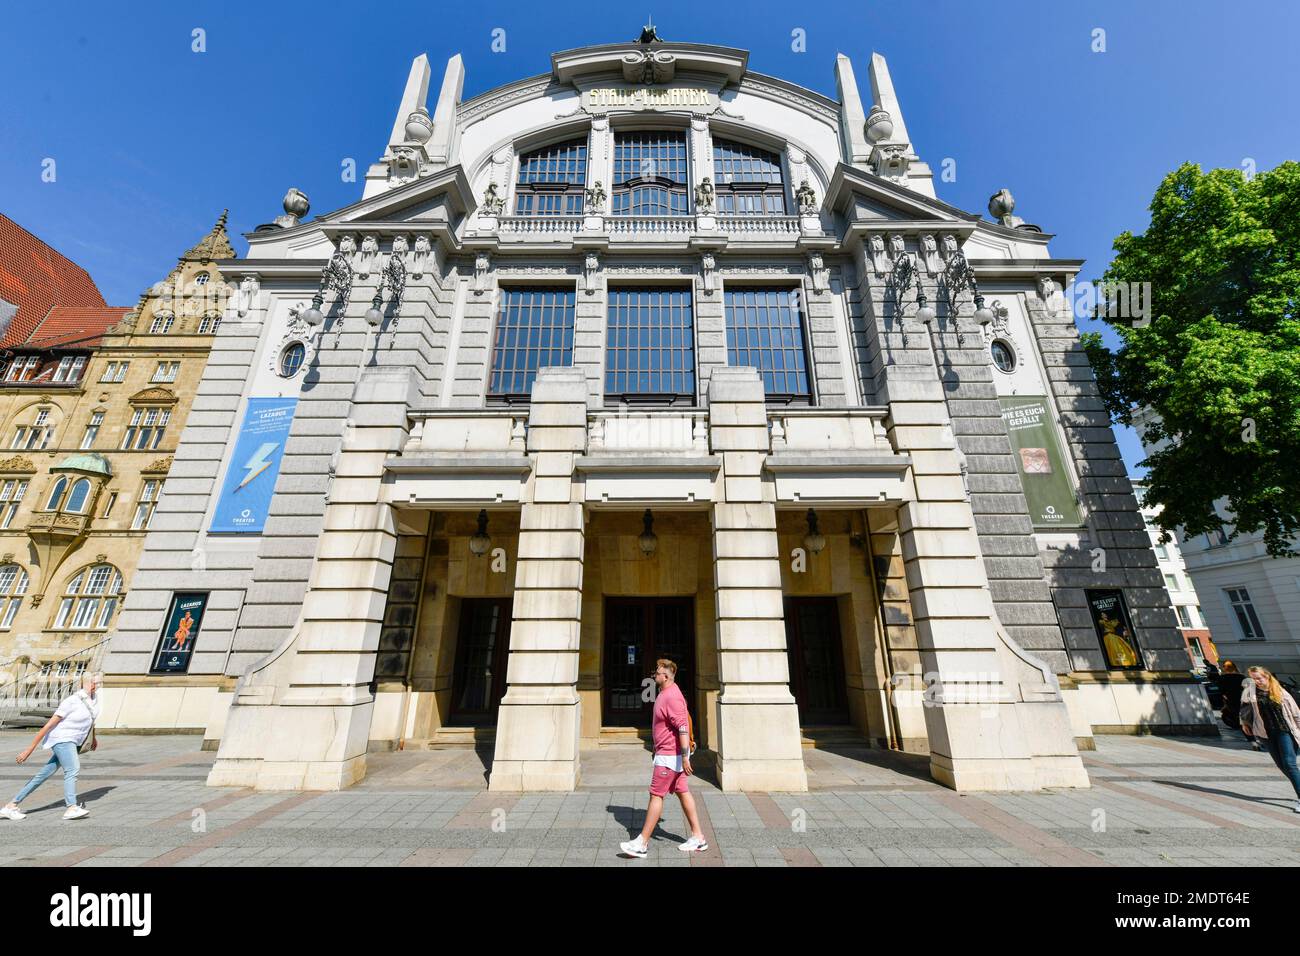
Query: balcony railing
point(751, 227)
point(649, 227)
point(542, 226)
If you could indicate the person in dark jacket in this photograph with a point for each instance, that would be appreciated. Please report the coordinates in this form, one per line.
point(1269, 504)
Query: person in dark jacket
point(1231, 683)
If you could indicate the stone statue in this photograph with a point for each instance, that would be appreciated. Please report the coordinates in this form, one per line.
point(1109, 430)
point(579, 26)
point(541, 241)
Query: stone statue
point(897, 247)
point(817, 268)
point(596, 198)
point(492, 203)
point(878, 259)
point(950, 248)
point(590, 266)
point(481, 265)
point(704, 195)
point(807, 199)
point(248, 288)
point(369, 256)
point(707, 265)
point(930, 255)
point(399, 247)
point(420, 261)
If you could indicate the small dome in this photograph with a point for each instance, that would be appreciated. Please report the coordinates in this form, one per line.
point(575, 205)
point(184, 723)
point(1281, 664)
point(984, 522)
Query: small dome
point(90, 463)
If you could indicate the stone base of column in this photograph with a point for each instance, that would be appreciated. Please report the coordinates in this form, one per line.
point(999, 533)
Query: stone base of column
point(1011, 745)
point(1030, 773)
point(536, 745)
point(761, 747)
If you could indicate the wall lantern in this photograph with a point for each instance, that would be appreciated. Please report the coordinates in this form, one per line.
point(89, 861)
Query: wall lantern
point(648, 540)
point(480, 543)
point(814, 541)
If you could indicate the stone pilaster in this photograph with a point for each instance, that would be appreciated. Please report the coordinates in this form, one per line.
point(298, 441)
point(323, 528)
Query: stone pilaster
point(994, 715)
point(301, 718)
point(539, 722)
point(759, 744)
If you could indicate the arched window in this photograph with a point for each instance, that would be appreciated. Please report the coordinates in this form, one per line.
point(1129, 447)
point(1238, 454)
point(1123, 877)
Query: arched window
point(201, 279)
point(38, 434)
point(77, 499)
point(551, 180)
point(650, 173)
point(91, 597)
point(748, 180)
point(56, 495)
point(13, 585)
point(1004, 356)
point(291, 359)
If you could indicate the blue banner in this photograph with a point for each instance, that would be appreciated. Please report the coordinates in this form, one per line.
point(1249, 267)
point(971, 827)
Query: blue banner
point(254, 466)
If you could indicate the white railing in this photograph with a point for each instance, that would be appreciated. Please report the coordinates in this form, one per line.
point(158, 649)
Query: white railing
point(777, 227)
point(658, 431)
point(649, 227)
point(539, 225)
point(828, 429)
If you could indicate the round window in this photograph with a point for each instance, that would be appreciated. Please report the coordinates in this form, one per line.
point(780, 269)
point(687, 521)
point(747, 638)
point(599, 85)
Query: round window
point(1004, 356)
point(201, 278)
point(291, 359)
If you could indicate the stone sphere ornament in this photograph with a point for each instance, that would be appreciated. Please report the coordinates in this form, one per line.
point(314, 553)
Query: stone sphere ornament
point(419, 127)
point(296, 202)
point(1001, 204)
point(879, 125)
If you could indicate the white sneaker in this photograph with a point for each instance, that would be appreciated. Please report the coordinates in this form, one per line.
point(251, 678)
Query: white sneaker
point(12, 813)
point(75, 812)
point(634, 848)
point(694, 845)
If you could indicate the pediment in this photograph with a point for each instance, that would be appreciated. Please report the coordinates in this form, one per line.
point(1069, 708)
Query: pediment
point(863, 198)
point(153, 396)
point(442, 197)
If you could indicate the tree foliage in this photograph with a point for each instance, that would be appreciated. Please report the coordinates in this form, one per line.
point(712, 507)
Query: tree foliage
point(1218, 363)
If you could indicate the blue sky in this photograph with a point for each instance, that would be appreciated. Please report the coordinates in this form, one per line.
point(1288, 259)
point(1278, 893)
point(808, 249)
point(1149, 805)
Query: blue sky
point(151, 140)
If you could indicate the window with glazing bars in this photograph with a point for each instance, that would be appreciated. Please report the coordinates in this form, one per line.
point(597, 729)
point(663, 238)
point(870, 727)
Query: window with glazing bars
point(650, 345)
point(650, 173)
point(765, 331)
point(551, 180)
point(747, 180)
point(534, 330)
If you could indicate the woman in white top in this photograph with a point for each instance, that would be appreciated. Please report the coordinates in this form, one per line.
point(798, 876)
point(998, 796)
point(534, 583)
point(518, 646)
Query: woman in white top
point(63, 733)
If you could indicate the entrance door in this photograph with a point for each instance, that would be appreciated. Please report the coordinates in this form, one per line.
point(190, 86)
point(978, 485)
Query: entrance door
point(812, 638)
point(482, 649)
point(639, 631)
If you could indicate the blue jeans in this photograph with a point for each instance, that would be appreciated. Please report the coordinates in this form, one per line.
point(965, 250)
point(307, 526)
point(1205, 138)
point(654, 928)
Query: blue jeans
point(1283, 750)
point(65, 755)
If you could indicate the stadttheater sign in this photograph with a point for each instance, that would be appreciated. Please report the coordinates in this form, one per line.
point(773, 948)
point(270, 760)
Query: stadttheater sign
point(648, 98)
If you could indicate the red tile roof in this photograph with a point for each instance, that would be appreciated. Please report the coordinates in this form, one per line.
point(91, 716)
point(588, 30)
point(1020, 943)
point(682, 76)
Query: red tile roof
point(37, 278)
point(74, 326)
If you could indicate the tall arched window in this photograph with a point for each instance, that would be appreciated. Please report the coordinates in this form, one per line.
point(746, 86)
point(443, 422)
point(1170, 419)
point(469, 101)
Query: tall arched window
point(748, 179)
point(77, 497)
point(650, 173)
point(56, 495)
point(551, 180)
point(13, 585)
point(91, 597)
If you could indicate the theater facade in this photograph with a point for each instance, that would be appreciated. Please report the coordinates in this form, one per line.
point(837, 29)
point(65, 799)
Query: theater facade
point(649, 356)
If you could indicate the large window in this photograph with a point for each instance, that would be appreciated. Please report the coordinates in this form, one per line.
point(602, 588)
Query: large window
point(22, 368)
point(115, 371)
point(146, 429)
point(35, 436)
point(551, 180)
point(90, 599)
point(1247, 619)
point(765, 331)
point(70, 367)
point(747, 179)
point(534, 330)
point(13, 585)
point(650, 173)
point(650, 345)
point(11, 499)
point(92, 430)
point(149, 489)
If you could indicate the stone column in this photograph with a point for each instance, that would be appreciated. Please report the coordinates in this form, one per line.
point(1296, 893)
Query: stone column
point(301, 719)
point(759, 746)
point(539, 722)
point(994, 715)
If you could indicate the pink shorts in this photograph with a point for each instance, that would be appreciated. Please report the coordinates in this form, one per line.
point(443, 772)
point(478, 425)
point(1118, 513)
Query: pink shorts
point(666, 780)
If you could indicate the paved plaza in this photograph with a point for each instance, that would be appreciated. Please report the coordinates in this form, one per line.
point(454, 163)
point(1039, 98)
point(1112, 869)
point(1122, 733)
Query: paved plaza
point(1154, 802)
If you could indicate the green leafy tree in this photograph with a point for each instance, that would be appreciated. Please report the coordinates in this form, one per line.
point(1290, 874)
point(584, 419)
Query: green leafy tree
point(1218, 357)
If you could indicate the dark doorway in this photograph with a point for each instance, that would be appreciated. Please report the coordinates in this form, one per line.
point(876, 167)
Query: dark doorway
point(812, 638)
point(639, 631)
point(482, 650)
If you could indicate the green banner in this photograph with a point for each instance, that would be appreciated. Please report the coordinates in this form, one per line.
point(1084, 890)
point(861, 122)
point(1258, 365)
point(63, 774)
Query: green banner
point(1048, 488)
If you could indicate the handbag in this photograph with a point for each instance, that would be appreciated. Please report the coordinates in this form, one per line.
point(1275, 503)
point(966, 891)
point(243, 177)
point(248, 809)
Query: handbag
point(91, 742)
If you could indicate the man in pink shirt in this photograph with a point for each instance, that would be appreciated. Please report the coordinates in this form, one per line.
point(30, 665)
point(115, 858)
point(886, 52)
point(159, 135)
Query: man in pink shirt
point(670, 730)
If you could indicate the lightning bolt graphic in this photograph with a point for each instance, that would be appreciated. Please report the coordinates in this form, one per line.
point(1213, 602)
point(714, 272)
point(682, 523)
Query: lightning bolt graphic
point(258, 463)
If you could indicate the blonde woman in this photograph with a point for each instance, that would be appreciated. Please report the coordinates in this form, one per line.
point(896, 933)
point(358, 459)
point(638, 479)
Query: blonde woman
point(64, 733)
point(1271, 715)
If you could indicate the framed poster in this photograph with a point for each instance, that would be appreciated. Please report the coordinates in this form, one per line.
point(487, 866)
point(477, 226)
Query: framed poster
point(254, 466)
point(180, 631)
point(1114, 628)
point(1049, 491)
